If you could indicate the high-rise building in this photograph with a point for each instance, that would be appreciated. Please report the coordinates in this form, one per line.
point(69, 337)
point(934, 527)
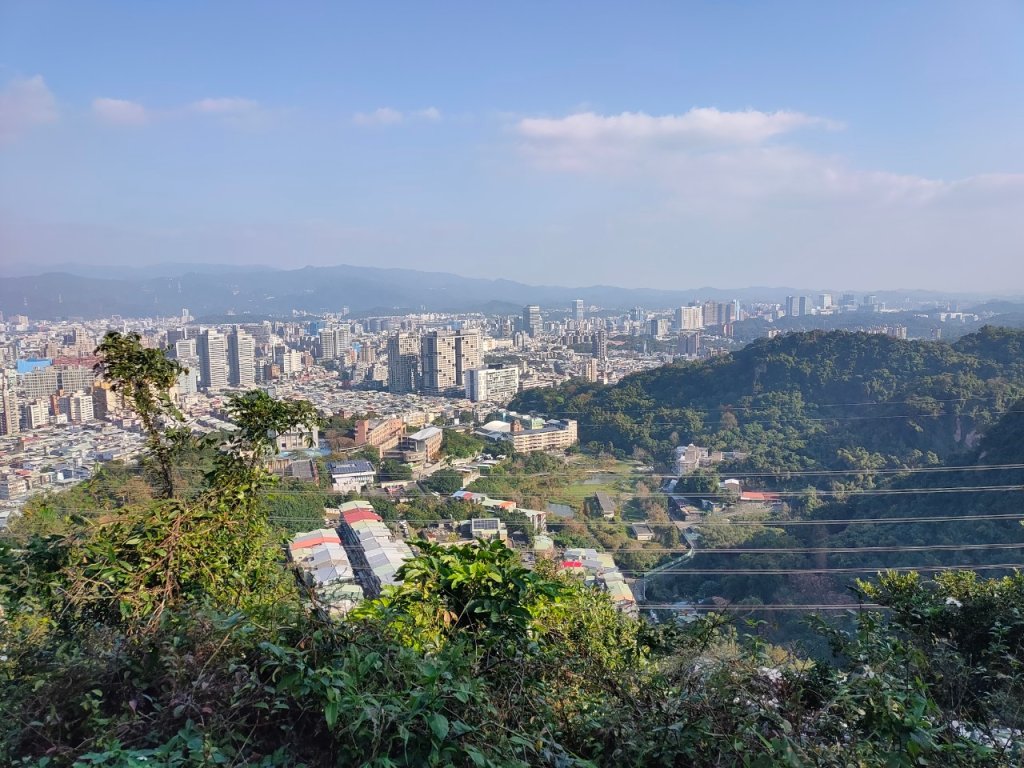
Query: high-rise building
point(403, 362)
point(797, 306)
point(241, 359)
point(599, 344)
point(658, 326)
point(468, 354)
point(532, 323)
point(497, 383)
point(576, 311)
point(184, 351)
point(175, 335)
point(40, 383)
point(72, 378)
point(35, 414)
point(212, 349)
point(437, 360)
point(334, 342)
point(689, 318)
point(10, 414)
point(288, 361)
point(689, 343)
point(718, 313)
point(80, 408)
point(825, 301)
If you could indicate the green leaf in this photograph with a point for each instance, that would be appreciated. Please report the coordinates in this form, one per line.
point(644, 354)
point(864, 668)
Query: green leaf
point(438, 724)
point(331, 713)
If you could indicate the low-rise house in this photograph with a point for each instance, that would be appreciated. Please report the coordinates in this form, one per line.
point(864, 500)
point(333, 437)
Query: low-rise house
point(604, 505)
point(642, 532)
point(351, 475)
point(487, 528)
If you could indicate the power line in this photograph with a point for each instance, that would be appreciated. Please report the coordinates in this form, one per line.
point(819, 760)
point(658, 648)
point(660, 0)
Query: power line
point(796, 571)
point(737, 607)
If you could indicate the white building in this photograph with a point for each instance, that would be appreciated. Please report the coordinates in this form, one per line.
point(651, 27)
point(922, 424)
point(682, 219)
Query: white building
point(80, 406)
point(351, 475)
point(498, 383)
point(212, 348)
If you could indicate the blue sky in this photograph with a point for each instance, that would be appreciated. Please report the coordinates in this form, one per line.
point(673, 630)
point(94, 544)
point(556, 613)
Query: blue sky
point(865, 145)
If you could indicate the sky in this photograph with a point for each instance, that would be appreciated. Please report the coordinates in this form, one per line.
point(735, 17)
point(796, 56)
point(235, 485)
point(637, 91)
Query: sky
point(671, 145)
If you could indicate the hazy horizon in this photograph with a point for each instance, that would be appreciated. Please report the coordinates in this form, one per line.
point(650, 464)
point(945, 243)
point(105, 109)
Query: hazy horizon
point(861, 147)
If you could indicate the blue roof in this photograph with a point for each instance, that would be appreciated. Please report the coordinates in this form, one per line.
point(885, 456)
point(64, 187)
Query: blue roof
point(24, 366)
point(357, 467)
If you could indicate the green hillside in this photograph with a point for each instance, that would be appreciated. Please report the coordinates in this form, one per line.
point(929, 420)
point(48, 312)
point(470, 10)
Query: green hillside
point(835, 400)
point(167, 629)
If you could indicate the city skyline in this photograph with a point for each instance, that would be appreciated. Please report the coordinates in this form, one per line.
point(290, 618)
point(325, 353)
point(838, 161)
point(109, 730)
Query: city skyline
point(865, 148)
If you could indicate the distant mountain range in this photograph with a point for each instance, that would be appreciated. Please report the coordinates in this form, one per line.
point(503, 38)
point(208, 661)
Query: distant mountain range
point(164, 289)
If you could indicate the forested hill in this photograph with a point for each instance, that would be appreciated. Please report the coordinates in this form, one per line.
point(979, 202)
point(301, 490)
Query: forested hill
point(808, 400)
point(982, 491)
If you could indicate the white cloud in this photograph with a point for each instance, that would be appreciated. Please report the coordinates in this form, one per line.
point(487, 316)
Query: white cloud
point(380, 116)
point(120, 112)
point(725, 163)
point(433, 114)
point(389, 116)
point(25, 102)
point(224, 106)
point(703, 126)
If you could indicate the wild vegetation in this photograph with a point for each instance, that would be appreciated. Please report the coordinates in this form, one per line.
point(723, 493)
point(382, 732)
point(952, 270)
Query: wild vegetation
point(167, 630)
point(803, 401)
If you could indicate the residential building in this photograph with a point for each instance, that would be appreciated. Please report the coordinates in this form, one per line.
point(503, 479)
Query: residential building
point(689, 318)
point(40, 383)
point(382, 434)
point(212, 349)
point(241, 359)
point(425, 444)
point(334, 342)
point(437, 360)
point(10, 413)
point(403, 363)
point(35, 414)
point(555, 434)
point(642, 532)
point(298, 439)
point(351, 475)
point(658, 326)
point(689, 343)
point(599, 344)
point(604, 505)
point(496, 383)
point(487, 528)
point(289, 361)
point(532, 323)
point(576, 311)
point(80, 407)
point(468, 354)
point(797, 306)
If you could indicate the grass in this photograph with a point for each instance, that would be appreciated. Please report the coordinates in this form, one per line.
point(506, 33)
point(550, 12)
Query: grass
point(575, 493)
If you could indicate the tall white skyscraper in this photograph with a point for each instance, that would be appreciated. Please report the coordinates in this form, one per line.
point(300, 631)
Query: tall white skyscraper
point(577, 310)
point(437, 360)
point(334, 342)
point(689, 318)
point(212, 348)
point(10, 415)
point(468, 354)
point(532, 322)
point(241, 359)
point(403, 362)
